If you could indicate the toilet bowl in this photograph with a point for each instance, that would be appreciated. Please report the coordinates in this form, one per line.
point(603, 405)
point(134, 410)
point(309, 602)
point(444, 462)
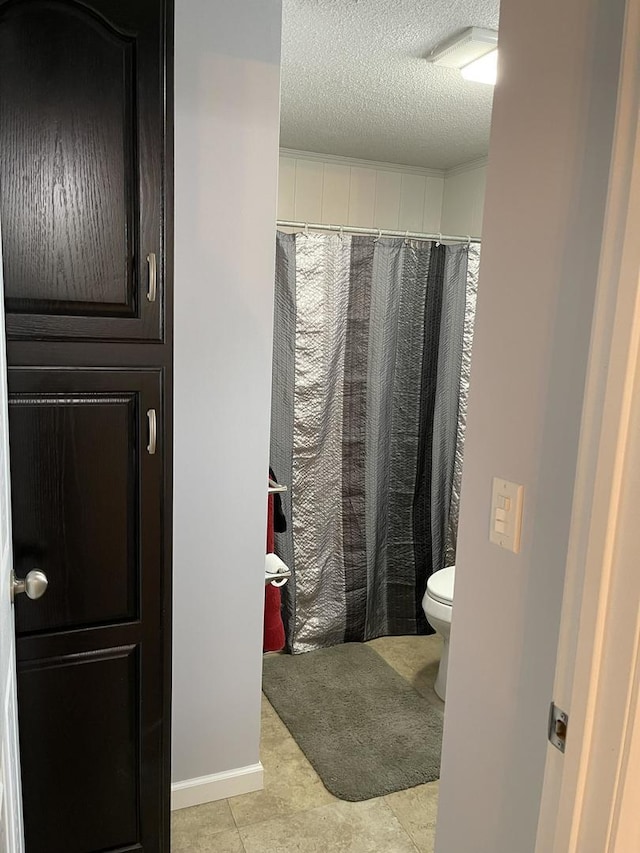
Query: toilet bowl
point(437, 604)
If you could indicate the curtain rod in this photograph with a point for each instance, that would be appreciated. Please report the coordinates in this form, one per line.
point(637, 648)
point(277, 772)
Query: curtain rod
point(377, 232)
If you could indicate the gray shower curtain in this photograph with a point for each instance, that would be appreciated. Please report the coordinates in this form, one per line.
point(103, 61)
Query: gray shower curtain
point(372, 346)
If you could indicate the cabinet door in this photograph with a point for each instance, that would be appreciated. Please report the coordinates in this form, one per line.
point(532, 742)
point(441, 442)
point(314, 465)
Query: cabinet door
point(82, 129)
point(86, 502)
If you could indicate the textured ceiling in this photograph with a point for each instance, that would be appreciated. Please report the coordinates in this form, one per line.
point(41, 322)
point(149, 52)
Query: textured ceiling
point(355, 82)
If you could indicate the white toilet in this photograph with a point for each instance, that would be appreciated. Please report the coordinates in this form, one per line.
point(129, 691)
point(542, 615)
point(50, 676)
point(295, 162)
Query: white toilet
point(438, 605)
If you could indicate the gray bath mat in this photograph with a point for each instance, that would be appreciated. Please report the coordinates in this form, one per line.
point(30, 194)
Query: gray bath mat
point(361, 725)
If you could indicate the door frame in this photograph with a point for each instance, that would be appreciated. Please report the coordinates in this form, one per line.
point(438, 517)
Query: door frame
point(11, 816)
point(590, 794)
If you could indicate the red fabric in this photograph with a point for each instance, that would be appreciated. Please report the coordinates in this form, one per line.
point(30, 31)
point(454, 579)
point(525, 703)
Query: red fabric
point(273, 639)
point(270, 534)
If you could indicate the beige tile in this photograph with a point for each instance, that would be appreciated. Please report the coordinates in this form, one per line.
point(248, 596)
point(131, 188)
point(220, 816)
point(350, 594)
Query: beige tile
point(222, 842)
point(416, 659)
point(290, 783)
point(270, 721)
point(417, 811)
point(368, 827)
point(204, 828)
point(409, 655)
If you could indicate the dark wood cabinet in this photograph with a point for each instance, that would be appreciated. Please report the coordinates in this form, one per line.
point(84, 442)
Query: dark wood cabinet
point(80, 767)
point(85, 205)
point(85, 494)
point(86, 499)
point(82, 126)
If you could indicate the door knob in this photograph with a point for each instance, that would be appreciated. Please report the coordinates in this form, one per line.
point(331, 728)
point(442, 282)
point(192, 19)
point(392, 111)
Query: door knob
point(35, 584)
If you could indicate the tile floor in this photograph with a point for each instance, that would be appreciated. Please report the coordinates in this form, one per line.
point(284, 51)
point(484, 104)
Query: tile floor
point(296, 814)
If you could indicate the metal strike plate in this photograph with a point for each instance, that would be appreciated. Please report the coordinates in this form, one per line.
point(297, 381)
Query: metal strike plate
point(558, 724)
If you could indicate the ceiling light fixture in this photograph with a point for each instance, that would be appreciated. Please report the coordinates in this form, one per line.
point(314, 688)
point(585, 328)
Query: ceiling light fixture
point(474, 52)
point(483, 70)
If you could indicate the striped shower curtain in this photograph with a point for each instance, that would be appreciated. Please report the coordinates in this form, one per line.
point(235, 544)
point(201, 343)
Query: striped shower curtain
point(370, 376)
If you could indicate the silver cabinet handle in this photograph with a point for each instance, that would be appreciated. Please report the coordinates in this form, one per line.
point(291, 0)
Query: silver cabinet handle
point(34, 585)
point(153, 276)
point(153, 431)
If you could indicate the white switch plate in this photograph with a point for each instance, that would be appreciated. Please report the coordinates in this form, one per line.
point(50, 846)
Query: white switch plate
point(505, 525)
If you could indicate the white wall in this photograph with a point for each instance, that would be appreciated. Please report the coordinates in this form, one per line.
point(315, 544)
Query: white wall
point(541, 244)
point(344, 191)
point(227, 56)
point(463, 199)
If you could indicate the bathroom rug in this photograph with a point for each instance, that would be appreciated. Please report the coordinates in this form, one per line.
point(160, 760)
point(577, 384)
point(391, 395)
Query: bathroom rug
point(362, 726)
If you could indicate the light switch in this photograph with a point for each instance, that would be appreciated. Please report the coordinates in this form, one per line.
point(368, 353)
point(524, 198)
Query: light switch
point(506, 514)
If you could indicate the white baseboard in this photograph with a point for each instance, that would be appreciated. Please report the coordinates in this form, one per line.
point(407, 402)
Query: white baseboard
point(218, 786)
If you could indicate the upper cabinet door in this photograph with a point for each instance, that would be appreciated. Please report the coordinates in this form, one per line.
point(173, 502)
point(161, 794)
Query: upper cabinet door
point(82, 168)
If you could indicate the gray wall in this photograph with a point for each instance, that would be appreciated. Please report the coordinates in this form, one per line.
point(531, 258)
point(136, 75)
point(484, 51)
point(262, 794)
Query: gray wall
point(227, 59)
point(546, 193)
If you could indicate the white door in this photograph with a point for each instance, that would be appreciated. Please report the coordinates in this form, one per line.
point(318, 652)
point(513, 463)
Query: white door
point(11, 833)
point(559, 171)
point(591, 792)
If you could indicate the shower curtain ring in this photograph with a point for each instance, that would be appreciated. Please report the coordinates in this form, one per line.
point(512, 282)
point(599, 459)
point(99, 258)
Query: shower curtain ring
point(341, 234)
point(379, 235)
point(468, 242)
point(406, 238)
point(439, 240)
point(306, 229)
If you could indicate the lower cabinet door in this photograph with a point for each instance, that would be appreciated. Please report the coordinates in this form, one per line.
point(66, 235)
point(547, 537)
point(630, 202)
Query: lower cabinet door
point(87, 481)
